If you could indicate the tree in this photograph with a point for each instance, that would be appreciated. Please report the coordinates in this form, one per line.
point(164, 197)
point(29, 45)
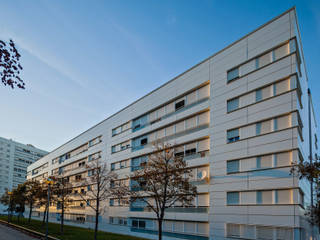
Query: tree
point(19, 197)
point(162, 182)
point(62, 190)
point(7, 200)
point(33, 190)
point(310, 170)
point(10, 66)
point(99, 188)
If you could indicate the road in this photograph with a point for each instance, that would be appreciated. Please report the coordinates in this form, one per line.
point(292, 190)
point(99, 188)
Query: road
point(7, 233)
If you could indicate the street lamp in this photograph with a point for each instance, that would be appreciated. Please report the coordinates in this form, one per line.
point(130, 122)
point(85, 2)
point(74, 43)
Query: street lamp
point(10, 207)
point(48, 182)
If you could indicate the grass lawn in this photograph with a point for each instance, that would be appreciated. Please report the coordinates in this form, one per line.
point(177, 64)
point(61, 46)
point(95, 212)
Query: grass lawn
point(70, 232)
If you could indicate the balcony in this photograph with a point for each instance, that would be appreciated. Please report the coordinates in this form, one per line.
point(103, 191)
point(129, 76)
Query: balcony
point(173, 209)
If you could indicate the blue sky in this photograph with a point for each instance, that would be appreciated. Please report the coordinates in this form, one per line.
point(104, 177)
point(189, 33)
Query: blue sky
point(85, 60)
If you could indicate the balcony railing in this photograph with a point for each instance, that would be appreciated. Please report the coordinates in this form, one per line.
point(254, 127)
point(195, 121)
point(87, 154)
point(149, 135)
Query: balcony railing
point(174, 209)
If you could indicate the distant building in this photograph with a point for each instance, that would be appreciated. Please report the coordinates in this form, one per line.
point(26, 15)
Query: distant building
point(239, 118)
point(14, 159)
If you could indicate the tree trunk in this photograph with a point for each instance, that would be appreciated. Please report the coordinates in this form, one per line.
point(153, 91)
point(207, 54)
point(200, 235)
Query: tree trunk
point(97, 218)
point(30, 212)
point(62, 218)
point(44, 215)
point(96, 225)
point(159, 229)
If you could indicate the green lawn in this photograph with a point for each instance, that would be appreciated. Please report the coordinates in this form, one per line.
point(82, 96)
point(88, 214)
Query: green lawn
point(70, 232)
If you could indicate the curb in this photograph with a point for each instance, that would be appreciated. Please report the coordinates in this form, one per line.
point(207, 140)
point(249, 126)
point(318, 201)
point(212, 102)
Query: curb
point(28, 231)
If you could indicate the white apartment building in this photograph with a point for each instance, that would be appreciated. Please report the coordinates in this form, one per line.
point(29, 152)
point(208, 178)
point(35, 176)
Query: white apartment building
point(240, 118)
point(14, 159)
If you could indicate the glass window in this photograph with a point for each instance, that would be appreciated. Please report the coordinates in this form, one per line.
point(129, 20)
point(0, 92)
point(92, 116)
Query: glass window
point(233, 166)
point(258, 128)
point(258, 160)
point(139, 122)
point(111, 203)
point(275, 124)
point(233, 198)
point(113, 149)
point(233, 135)
point(232, 74)
point(179, 105)
point(233, 104)
point(259, 197)
point(258, 95)
point(113, 166)
point(274, 89)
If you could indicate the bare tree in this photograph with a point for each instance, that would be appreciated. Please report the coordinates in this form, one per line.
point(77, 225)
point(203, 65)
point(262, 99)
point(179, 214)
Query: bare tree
point(162, 182)
point(61, 193)
point(99, 188)
point(33, 189)
point(310, 170)
point(9, 65)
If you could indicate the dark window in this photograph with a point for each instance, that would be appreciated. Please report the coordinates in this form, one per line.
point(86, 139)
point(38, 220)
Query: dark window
point(179, 105)
point(113, 166)
point(142, 224)
point(144, 141)
point(191, 151)
point(134, 223)
point(179, 154)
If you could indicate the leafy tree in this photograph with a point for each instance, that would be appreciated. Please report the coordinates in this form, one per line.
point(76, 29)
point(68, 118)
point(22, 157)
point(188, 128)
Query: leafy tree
point(10, 65)
point(19, 197)
point(33, 190)
point(7, 200)
point(99, 189)
point(163, 181)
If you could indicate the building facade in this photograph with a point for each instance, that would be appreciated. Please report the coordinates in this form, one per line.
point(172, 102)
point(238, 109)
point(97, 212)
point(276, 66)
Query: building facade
point(14, 159)
point(240, 118)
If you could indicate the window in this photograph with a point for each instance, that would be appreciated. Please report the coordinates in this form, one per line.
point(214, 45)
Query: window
point(233, 230)
point(259, 197)
point(139, 122)
point(233, 135)
point(258, 95)
point(113, 149)
point(233, 166)
point(264, 197)
point(233, 74)
point(111, 202)
point(179, 105)
point(114, 132)
point(82, 164)
point(113, 166)
point(258, 128)
point(233, 198)
point(233, 104)
point(258, 161)
point(275, 124)
point(274, 89)
point(144, 141)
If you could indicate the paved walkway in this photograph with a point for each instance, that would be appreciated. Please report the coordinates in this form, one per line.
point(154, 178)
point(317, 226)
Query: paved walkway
point(7, 233)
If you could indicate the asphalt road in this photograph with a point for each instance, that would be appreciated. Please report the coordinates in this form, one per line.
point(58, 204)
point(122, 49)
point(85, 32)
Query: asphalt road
point(7, 233)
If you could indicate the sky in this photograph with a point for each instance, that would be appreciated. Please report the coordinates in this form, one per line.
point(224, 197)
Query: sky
point(85, 60)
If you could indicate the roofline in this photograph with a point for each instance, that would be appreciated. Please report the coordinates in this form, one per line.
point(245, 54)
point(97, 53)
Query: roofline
point(191, 68)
